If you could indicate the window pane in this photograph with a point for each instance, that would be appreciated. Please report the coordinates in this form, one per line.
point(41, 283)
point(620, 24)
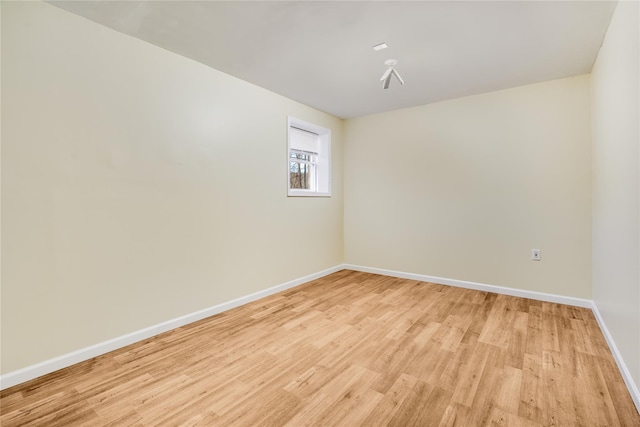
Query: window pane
point(300, 175)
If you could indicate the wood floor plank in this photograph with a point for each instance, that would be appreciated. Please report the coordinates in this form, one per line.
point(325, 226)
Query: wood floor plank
point(498, 327)
point(532, 391)
point(456, 415)
point(331, 403)
point(409, 411)
point(392, 401)
point(352, 349)
point(471, 373)
point(507, 396)
point(499, 417)
point(518, 341)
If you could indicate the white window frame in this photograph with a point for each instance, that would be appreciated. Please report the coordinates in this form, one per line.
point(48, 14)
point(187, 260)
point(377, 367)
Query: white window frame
point(321, 182)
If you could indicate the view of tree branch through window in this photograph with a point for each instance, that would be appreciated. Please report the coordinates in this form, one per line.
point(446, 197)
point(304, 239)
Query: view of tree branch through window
point(302, 169)
point(308, 159)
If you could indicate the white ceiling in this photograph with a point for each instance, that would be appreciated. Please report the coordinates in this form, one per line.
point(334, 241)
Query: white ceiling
point(320, 52)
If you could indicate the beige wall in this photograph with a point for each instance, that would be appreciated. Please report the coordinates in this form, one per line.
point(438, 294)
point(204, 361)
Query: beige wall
point(464, 189)
point(616, 183)
point(138, 186)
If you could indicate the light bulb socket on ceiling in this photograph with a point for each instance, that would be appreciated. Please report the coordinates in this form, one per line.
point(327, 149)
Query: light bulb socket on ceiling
point(386, 77)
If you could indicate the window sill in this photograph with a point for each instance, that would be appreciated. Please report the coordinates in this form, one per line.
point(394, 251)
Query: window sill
point(294, 193)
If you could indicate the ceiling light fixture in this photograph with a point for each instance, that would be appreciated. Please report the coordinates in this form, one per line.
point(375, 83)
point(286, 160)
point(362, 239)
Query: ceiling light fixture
point(386, 77)
point(380, 46)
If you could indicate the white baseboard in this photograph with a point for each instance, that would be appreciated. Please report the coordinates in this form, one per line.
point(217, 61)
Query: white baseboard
point(624, 371)
point(540, 296)
point(39, 369)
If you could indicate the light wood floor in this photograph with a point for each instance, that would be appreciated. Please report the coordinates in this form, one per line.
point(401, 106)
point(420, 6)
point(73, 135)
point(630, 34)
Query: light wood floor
point(349, 349)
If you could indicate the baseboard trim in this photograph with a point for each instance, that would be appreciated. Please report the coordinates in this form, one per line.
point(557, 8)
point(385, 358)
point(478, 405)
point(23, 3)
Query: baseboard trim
point(540, 296)
point(48, 366)
point(622, 367)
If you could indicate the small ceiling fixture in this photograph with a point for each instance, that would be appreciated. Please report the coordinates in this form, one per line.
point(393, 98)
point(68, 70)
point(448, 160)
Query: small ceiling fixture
point(386, 77)
point(380, 46)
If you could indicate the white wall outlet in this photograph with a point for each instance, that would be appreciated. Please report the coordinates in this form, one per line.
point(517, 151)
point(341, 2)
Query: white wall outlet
point(535, 254)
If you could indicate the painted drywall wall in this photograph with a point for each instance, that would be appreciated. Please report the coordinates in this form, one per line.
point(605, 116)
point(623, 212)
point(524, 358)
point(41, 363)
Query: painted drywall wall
point(139, 186)
point(616, 183)
point(464, 189)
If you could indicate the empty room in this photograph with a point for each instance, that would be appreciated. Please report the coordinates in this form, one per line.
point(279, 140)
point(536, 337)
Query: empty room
point(320, 213)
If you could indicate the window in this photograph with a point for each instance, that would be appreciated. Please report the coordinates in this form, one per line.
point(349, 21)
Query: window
point(308, 159)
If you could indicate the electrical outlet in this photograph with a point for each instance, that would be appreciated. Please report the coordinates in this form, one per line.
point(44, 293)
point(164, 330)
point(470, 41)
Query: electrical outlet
point(535, 254)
